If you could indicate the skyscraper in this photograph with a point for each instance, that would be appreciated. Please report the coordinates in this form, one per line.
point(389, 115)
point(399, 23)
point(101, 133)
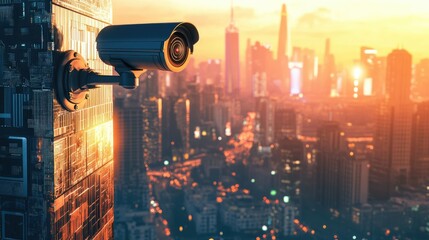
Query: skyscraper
point(420, 146)
point(182, 109)
point(390, 167)
point(282, 70)
point(232, 59)
point(195, 113)
point(422, 79)
point(283, 35)
point(265, 110)
point(130, 166)
point(398, 77)
point(56, 177)
point(209, 72)
point(137, 143)
point(261, 69)
point(368, 60)
point(285, 123)
point(152, 129)
point(290, 160)
point(328, 161)
point(342, 179)
point(328, 71)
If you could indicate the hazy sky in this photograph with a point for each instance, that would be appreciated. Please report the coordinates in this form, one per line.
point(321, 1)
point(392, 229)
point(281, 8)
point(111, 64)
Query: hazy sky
point(382, 24)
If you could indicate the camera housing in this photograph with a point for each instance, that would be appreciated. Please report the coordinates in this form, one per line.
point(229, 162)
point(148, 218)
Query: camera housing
point(131, 50)
point(162, 46)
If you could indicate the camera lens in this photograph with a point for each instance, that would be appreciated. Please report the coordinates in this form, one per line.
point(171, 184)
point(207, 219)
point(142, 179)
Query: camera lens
point(177, 49)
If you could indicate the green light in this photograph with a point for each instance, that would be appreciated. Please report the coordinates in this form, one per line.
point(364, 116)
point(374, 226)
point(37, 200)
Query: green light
point(273, 192)
point(252, 180)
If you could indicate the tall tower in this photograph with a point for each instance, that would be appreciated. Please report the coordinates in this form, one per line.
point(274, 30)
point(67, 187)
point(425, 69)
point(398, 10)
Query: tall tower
point(232, 60)
point(282, 65)
point(328, 70)
point(390, 167)
point(283, 37)
point(56, 177)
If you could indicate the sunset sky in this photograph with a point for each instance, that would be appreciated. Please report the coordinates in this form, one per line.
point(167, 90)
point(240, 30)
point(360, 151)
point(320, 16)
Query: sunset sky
point(382, 24)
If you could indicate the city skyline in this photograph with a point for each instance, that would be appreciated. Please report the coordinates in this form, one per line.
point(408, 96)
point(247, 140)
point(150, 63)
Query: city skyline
point(349, 28)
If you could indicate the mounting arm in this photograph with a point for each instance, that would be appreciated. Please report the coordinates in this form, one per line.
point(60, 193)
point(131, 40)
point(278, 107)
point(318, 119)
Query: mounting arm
point(74, 78)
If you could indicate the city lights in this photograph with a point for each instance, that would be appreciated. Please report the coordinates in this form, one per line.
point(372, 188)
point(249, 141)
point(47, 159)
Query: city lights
point(357, 72)
point(286, 199)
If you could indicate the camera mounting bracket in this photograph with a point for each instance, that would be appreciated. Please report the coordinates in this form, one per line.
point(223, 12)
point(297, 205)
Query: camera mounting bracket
point(74, 79)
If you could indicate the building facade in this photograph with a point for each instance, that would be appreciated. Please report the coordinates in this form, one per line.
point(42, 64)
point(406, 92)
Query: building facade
point(57, 166)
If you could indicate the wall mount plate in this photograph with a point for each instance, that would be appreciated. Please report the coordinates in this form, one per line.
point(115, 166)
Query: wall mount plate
point(69, 94)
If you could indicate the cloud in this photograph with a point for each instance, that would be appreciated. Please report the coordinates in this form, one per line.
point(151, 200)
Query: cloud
point(316, 18)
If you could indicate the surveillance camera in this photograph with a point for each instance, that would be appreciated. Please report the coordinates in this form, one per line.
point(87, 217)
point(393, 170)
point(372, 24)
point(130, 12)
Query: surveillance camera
point(162, 46)
point(131, 49)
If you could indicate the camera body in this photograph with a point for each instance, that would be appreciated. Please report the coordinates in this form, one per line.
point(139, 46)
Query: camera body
point(162, 46)
point(130, 49)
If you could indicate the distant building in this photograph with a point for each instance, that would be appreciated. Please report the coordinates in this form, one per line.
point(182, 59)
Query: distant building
point(210, 72)
point(138, 225)
point(208, 99)
point(407, 216)
point(285, 123)
point(232, 59)
point(370, 83)
point(212, 165)
point(289, 168)
point(354, 175)
point(265, 120)
point(290, 214)
point(390, 167)
point(342, 178)
point(419, 173)
point(226, 115)
point(152, 129)
point(195, 110)
point(182, 110)
point(261, 70)
point(421, 77)
point(281, 71)
point(130, 167)
point(327, 75)
point(243, 214)
point(200, 204)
